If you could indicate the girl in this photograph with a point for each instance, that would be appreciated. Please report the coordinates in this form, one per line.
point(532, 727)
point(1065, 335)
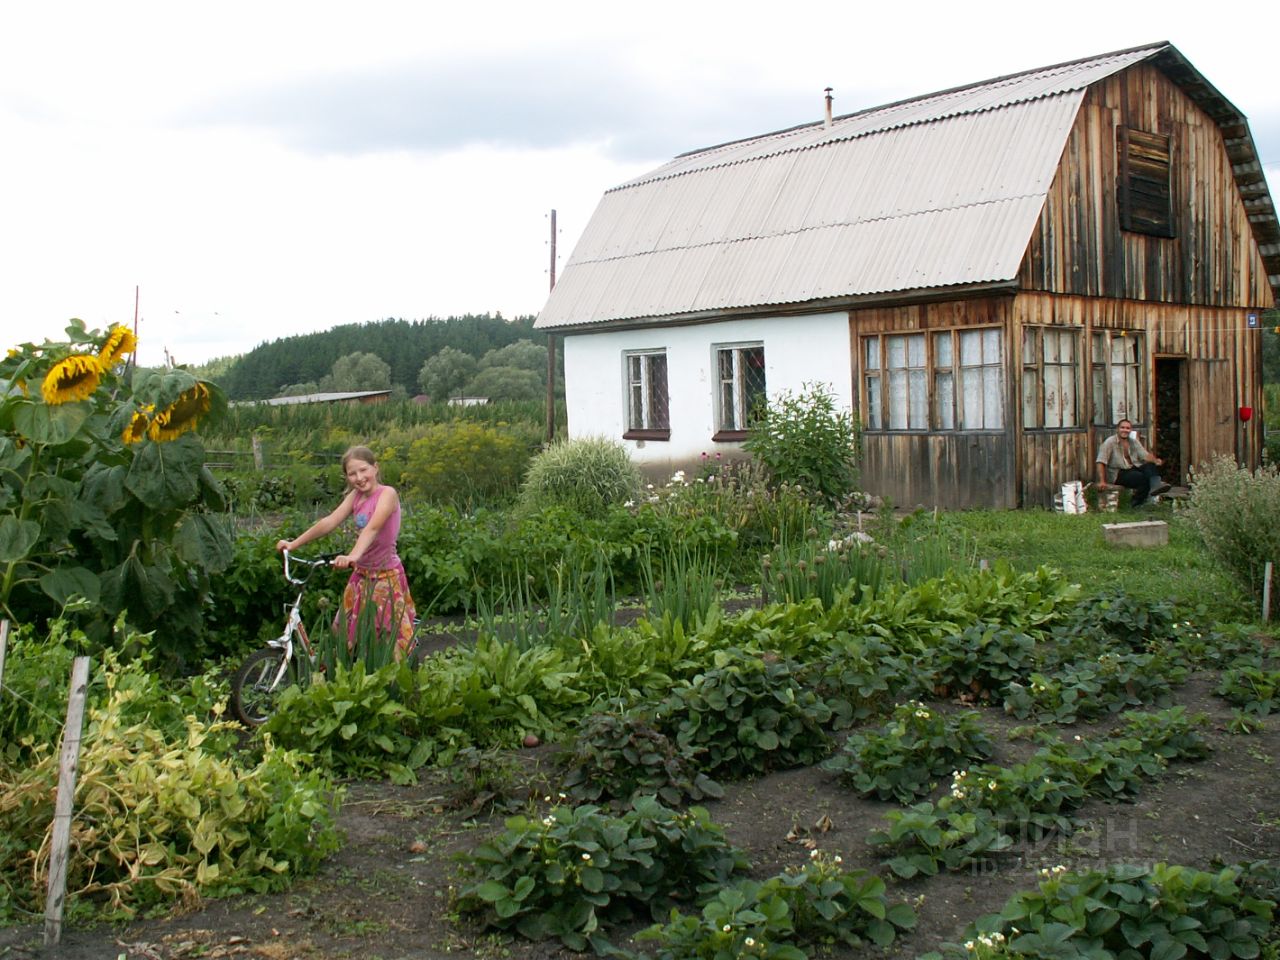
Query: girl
point(377, 575)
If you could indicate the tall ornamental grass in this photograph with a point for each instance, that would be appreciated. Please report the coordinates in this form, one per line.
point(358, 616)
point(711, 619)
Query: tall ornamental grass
point(588, 475)
point(1237, 513)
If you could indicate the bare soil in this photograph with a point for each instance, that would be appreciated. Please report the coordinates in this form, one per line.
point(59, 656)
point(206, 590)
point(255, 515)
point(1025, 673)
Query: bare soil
point(385, 895)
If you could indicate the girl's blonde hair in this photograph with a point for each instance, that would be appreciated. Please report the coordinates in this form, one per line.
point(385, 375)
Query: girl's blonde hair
point(358, 453)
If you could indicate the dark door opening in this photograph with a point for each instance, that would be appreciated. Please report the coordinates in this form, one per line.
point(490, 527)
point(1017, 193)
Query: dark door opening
point(1169, 417)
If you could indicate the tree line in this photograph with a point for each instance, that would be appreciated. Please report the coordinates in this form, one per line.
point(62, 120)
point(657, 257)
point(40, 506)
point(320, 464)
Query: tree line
point(394, 354)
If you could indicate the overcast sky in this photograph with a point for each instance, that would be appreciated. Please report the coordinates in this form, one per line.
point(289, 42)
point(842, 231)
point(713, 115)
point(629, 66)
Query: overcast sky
point(259, 169)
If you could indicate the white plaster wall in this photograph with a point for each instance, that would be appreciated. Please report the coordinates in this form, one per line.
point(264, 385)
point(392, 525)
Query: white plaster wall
point(797, 351)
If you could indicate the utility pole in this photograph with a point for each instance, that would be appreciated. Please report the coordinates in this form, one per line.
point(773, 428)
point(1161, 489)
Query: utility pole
point(551, 347)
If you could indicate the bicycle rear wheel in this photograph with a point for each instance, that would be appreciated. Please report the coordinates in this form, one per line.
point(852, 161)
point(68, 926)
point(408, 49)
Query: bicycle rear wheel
point(253, 696)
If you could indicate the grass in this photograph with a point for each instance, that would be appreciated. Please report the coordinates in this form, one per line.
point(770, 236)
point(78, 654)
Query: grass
point(1181, 571)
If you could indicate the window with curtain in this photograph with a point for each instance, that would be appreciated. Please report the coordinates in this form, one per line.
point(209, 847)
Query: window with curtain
point(1117, 362)
point(1050, 374)
point(951, 380)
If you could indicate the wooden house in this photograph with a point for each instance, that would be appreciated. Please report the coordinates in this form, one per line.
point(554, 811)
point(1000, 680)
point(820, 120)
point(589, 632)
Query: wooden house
point(990, 277)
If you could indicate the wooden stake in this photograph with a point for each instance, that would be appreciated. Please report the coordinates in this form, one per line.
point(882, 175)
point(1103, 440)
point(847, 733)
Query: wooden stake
point(984, 564)
point(1266, 593)
point(4, 646)
point(68, 767)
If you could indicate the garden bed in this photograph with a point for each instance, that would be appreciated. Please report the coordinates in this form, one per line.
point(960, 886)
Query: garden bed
point(385, 894)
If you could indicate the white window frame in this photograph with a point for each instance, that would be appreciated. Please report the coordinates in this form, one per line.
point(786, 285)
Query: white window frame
point(735, 392)
point(915, 381)
point(647, 403)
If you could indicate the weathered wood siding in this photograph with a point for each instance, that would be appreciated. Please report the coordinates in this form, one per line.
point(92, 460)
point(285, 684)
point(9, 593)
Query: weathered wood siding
point(1025, 467)
point(950, 469)
point(1222, 377)
point(1079, 247)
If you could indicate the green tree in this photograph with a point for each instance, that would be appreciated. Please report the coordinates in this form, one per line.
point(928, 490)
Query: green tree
point(1271, 346)
point(358, 371)
point(447, 373)
point(105, 502)
point(523, 355)
point(506, 383)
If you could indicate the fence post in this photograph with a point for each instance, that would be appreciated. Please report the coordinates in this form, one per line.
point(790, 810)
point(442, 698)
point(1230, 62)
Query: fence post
point(1266, 593)
point(68, 766)
point(257, 452)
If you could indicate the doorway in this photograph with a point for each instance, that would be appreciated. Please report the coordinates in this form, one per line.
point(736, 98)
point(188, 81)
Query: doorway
point(1169, 417)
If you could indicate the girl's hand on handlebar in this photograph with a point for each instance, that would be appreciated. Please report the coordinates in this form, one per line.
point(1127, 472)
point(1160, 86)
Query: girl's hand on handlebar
point(342, 561)
point(283, 545)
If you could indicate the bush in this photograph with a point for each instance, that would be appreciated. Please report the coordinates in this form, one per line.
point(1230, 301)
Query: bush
point(465, 463)
point(804, 439)
point(587, 475)
point(1237, 513)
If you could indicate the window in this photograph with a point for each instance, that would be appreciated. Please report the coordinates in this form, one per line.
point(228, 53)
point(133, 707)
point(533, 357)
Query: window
point(1117, 372)
point(1144, 193)
point(957, 384)
point(981, 380)
point(647, 397)
point(1049, 377)
point(895, 375)
point(740, 379)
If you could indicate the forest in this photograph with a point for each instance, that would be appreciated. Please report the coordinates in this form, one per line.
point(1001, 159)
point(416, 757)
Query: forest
point(404, 345)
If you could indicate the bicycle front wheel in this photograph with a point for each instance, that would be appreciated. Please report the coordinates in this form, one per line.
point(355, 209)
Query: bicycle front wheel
point(254, 690)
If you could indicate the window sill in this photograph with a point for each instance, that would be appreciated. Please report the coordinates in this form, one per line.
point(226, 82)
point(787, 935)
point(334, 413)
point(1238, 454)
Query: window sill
point(647, 435)
point(730, 436)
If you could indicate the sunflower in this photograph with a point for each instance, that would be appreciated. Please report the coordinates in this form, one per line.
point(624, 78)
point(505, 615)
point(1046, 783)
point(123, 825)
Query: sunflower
point(74, 378)
point(120, 340)
point(137, 428)
point(181, 415)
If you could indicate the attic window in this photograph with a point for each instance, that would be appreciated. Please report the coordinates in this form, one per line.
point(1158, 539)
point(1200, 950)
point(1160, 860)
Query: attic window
point(1144, 193)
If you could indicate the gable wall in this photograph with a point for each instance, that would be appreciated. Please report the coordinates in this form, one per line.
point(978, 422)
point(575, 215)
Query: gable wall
point(1078, 246)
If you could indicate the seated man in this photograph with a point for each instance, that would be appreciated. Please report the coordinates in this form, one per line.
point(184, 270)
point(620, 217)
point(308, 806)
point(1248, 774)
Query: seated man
point(1124, 461)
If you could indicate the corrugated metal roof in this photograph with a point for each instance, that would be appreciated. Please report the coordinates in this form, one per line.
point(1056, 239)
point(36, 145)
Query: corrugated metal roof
point(937, 191)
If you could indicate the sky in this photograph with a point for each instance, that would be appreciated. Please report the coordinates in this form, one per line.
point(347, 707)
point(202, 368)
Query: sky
point(244, 171)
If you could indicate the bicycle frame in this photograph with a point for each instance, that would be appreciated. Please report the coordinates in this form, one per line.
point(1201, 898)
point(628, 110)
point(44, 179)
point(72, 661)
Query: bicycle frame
point(293, 623)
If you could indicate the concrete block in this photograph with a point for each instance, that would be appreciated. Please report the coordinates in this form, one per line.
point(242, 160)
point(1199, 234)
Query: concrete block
point(1145, 533)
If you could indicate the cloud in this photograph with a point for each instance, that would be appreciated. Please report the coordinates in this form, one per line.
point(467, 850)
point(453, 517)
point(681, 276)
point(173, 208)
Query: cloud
point(514, 101)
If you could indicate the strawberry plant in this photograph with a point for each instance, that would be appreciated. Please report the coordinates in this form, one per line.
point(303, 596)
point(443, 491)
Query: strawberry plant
point(903, 759)
point(578, 871)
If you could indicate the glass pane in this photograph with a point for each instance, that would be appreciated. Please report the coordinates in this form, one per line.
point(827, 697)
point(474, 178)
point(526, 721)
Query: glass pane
point(873, 353)
point(1030, 406)
point(971, 398)
point(725, 363)
point(1119, 401)
point(942, 350)
point(915, 350)
point(659, 418)
point(635, 414)
point(1029, 346)
point(1100, 396)
point(970, 348)
point(991, 345)
point(1067, 346)
point(919, 391)
point(1099, 348)
point(1052, 397)
point(897, 352)
point(992, 398)
point(1067, 392)
point(897, 400)
point(874, 421)
point(944, 400)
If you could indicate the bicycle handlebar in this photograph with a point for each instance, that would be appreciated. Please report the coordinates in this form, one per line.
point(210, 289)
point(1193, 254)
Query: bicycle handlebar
point(323, 561)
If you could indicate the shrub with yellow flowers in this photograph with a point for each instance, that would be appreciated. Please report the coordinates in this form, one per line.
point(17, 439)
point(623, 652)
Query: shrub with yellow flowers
point(106, 505)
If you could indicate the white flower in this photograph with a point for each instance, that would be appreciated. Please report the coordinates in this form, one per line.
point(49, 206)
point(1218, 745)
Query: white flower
point(726, 928)
point(548, 821)
point(586, 856)
point(750, 941)
point(814, 854)
point(838, 859)
point(629, 503)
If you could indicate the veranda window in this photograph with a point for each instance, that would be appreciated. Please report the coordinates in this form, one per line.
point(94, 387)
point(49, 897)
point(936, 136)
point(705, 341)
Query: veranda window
point(1050, 374)
point(1117, 362)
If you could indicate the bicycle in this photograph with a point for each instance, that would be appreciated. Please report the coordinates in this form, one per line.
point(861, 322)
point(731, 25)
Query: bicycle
point(267, 672)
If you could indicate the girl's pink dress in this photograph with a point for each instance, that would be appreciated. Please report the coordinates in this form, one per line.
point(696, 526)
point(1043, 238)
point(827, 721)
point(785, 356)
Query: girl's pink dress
point(379, 578)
